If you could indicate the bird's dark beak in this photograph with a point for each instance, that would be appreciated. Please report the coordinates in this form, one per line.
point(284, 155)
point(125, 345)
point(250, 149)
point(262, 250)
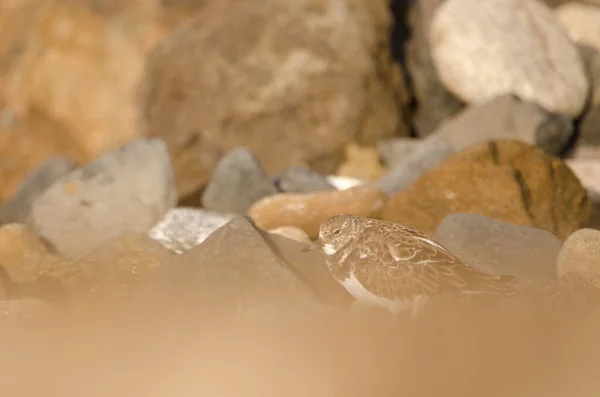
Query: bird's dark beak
point(317, 244)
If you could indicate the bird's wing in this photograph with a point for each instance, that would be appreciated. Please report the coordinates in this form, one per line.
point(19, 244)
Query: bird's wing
point(402, 267)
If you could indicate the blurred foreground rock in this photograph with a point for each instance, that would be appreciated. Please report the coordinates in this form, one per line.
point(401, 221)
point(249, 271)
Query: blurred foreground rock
point(501, 248)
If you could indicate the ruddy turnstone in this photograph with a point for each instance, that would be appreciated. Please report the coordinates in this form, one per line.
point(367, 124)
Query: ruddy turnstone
point(393, 266)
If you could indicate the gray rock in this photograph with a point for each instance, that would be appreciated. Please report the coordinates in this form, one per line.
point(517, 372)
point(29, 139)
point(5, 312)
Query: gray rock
point(182, 229)
point(503, 117)
point(302, 180)
point(499, 247)
point(17, 209)
point(234, 269)
point(508, 117)
point(393, 151)
point(237, 182)
point(127, 190)
point(589, 126)
point(580, 255)
point(430, 153)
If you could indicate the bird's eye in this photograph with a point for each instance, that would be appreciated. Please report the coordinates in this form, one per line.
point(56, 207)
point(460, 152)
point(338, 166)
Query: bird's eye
point(336, 232)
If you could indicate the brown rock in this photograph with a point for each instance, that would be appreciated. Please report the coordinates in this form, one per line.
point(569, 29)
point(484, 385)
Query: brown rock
point(361, 162)
point(579, 256)
point(30, 267)
point(307, 211)
point(293, 82)
point(26, 142)
point(234, 269)
point(505, 180)
point(112, 271)
point(80, 66)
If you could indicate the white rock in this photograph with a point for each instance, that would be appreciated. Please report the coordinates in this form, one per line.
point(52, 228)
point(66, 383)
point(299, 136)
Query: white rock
point(182, 228)
point(588, 172)
point(344, 182)
point(482, 49)
point(582, 23)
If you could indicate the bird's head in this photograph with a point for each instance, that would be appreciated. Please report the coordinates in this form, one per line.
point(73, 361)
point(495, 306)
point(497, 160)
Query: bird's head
point(335, 233)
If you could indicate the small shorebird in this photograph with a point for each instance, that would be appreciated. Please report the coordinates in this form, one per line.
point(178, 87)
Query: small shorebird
point(395, 267)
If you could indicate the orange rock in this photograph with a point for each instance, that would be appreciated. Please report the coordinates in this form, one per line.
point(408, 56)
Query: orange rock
point(307, 211)
point(80, 65)
point(506, 180)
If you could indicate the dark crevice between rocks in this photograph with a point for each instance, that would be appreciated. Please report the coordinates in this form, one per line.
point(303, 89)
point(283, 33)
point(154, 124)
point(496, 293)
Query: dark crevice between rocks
point(554, 181)
point(267, 239)
point(400, 33)
point(525, 193)
point(493, 149)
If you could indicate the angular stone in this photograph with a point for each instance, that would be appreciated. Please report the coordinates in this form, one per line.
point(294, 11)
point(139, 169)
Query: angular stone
point(18, 208)
point(234, 269)
point(182, 228)
point(237, 182)
point(505, 180)
point(293, 82)
point(579, 256)
point(313, 268)
point(308, 210)
point(500, 248)
point(126, 190)
point(588, 171)
point(302, 180)
point(531, 57)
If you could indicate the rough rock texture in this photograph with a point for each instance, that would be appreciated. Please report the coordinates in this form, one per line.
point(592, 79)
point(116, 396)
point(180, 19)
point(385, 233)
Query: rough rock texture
point(485, 48)
point(502, 117)
point(579, 255)
point(434, 103)
point(237, 182)
point(582, 23)
point(17, 209)
point(498, 247)
point(307, 211)
point(127, 190)
point(505, 180)
point(80, 65)
point(294, 82)
point(184, 228)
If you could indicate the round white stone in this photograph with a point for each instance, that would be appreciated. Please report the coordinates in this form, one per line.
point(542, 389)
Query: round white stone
point(482, 49)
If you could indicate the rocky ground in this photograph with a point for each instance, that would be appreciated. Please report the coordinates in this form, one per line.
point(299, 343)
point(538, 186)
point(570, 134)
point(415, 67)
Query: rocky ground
point(165, 162)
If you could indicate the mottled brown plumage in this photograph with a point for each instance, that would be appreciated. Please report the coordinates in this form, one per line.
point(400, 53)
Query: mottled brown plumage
point(397, 264)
